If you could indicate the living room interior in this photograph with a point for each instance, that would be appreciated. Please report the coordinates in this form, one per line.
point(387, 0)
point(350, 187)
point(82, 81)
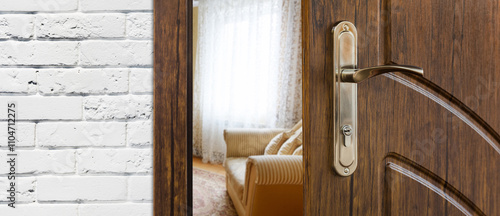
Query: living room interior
point(247, 107)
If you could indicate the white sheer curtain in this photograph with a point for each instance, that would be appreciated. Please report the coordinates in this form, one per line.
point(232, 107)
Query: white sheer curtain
point(248, 69)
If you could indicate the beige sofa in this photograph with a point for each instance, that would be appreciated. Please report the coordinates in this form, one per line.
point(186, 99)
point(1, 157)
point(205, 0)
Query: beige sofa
point(261, 184)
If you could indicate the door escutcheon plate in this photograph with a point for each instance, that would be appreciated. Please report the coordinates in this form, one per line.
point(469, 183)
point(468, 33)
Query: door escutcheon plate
point(345, 144)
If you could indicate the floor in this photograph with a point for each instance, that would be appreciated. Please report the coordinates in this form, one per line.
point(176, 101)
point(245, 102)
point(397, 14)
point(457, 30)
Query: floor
point(215, 168)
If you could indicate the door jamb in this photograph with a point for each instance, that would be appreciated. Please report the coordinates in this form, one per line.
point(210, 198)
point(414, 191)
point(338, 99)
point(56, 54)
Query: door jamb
point(172, 127)
point(173, 99)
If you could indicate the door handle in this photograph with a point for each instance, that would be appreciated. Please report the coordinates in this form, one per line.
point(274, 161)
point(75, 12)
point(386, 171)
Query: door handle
point(360, 75)
point(346, 76)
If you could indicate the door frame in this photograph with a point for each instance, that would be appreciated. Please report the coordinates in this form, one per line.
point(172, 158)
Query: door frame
point(172, 127)
point(173, 99)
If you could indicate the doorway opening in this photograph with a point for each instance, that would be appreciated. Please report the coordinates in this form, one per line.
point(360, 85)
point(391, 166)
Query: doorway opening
point(247, 107)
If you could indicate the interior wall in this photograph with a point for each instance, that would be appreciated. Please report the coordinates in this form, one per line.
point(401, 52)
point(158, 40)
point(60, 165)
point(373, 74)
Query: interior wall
point(80, 72)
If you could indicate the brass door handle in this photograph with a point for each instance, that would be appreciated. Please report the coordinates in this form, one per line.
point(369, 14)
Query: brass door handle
point(345, 95)
point(360, 75)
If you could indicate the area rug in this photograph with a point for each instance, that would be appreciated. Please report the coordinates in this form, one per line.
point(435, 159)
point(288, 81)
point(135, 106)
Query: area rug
point(209, 194)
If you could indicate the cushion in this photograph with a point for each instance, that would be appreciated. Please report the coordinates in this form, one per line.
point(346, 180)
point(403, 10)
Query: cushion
point(295, 127)
point(275, 144)
point(291, 144)
point(298, 151)
point(235, 170)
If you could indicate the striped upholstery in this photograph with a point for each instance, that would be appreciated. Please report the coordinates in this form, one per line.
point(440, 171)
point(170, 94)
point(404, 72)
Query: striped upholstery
point(275, 144)
point(262, 184)
point(245, 142)
point(298, 151)
point(291, 144)
point(276, 169)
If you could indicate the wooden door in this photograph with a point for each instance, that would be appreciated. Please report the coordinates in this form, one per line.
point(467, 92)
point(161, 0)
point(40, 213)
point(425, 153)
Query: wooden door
point(426, 146)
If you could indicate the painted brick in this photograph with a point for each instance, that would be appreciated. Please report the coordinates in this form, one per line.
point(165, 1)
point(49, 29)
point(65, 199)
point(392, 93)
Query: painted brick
point(25, 189)
point(43, 108)
point(116, 53)
point(118, 107)
point(16, 26)
point(140, 25)
point(90, 161)
point(63, 69)
point(78, 188)
point(25, 134)
point(80, 25)
point(140, 133)
point(39, 5)
point(39, 53)
point(112, 5)
point(140, 188)
point(57, 134)
point(18, 80)
point(141, 80)
point(83, 81)
point(126, 209)
point(42, 161)
point(40, 210)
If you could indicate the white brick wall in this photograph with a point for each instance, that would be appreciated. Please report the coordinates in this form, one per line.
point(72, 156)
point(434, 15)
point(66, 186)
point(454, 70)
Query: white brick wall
point(81, 25)
point(16, 26)
point(39, 5)
point(39, 53)
point(81, 74)
point(117, 53)
point(18, 80)
point(140, 80)
point(83, 81)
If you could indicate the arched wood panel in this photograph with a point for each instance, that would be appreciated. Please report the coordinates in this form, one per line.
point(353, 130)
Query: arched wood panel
point(444, 125)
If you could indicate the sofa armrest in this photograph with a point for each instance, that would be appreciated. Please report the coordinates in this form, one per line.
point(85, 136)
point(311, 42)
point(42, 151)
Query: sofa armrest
point(243, 142)
point(273, 185)
point(275, 169)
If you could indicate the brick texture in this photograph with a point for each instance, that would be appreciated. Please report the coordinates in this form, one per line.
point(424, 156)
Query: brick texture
point(128, 209)
point(140, 133)
point(140, 80)
point(42, 161)
point(112, 5)
point(83, 81)
point(118, 107)
point(140, 188)
point(38, 53)
point(16, 26)
point(114, 161)
point(18, 80)
point(25, 134)
point(81, 26)
point(39, 5)
point(65, 134)
point(117, 53)
point(82, 188)
point(41, 108)
point(80, 72)
point(139, 25)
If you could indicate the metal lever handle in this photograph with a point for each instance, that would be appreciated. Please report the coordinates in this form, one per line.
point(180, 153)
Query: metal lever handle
point(345, 95)
point(360, 75)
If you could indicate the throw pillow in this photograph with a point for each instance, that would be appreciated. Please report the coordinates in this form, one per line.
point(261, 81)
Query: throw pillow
point(291, 144)
point(298, 151)
point(275, 144)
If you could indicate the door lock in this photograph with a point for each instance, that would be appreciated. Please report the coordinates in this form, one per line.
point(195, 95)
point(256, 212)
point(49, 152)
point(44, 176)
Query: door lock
point(347, 131)
point(346, 76)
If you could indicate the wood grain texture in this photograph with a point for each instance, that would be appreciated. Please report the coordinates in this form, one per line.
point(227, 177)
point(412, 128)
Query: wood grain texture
point(416, 157)
point(172, 107)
